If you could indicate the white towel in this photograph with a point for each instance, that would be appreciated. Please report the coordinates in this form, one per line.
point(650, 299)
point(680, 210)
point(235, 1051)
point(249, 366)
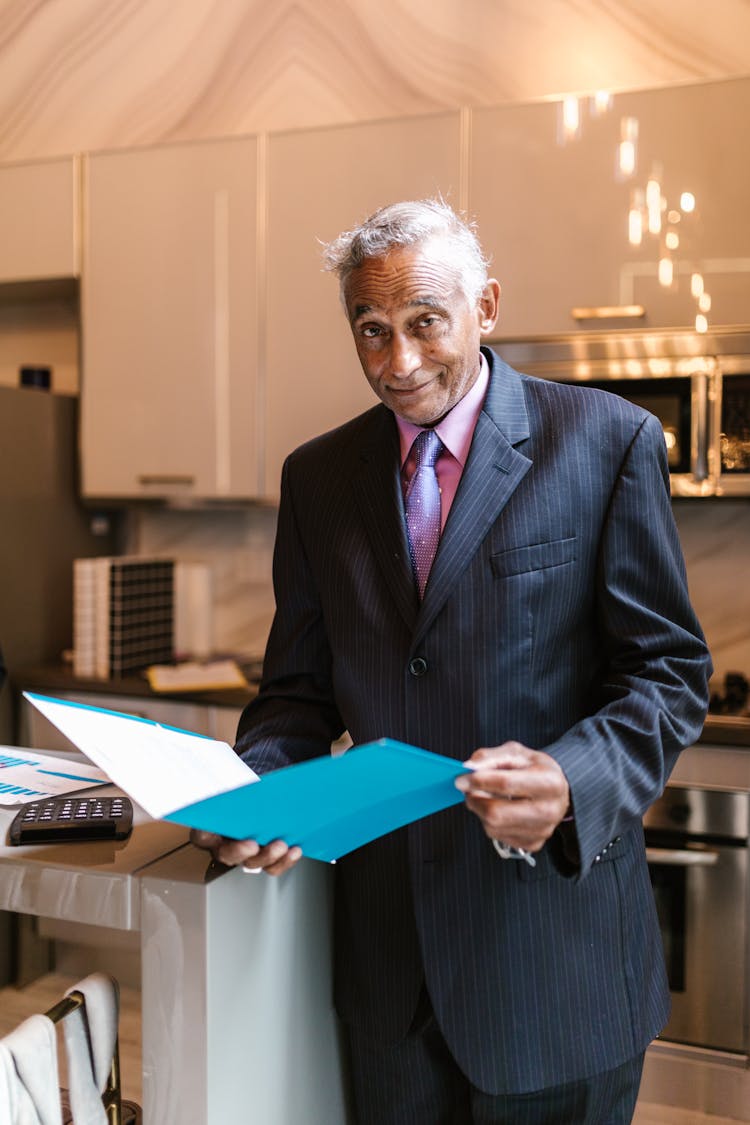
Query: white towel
point(9, 1086)
point(29, 1084)
point(90, 1034)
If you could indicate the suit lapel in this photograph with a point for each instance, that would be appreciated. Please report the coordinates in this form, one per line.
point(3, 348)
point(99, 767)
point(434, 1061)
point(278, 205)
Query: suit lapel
point(377, 489)
point(493, 471)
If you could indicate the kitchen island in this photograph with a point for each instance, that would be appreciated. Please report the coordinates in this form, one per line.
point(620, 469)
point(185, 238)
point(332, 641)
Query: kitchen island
point(236, 997)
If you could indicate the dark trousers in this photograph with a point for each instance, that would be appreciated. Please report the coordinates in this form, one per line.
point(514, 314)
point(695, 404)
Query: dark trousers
point(417, 1082)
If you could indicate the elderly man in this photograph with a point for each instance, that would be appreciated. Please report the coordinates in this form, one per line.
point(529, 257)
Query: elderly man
point(485, 565)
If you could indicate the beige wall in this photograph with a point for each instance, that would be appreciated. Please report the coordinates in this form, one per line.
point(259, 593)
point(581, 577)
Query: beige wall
point(77, 75)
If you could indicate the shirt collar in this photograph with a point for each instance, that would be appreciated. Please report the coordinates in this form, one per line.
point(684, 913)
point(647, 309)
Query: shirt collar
point(456, 429)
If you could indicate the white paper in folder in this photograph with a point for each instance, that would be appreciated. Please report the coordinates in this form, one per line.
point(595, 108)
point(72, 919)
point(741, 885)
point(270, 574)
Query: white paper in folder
point(161, 767)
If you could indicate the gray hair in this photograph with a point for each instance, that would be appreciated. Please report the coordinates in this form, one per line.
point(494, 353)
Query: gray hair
point(406, 224)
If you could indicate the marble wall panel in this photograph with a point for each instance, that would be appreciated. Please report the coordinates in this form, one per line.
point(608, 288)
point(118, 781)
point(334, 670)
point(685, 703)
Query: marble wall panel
point(77, 75)
point(238, 545)
point(715, 537)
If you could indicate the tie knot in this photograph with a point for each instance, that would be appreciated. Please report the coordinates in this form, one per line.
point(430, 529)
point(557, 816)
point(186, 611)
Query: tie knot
point(427, 448)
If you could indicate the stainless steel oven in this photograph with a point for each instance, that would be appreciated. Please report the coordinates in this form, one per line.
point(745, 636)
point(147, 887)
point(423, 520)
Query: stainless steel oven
point(697, 849)
point(731, 427)
point(698, 385)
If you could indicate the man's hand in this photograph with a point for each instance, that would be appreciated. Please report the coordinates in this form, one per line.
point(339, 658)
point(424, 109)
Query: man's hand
point(520, 795)
point(275, 858)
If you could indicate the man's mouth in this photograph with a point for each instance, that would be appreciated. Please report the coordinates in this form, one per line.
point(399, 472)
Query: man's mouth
point(408, 390)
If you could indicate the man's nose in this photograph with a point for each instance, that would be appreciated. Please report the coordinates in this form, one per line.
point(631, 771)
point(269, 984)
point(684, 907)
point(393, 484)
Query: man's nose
point(404, 357)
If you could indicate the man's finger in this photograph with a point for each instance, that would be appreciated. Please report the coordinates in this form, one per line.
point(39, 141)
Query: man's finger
point(205, 839)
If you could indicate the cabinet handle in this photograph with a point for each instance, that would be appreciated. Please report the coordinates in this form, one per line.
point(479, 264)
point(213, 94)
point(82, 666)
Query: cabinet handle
point(608, 312)
point(681, 858)
point(166, 478)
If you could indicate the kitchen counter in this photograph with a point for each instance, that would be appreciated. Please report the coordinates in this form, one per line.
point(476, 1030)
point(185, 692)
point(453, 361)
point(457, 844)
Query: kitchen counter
point(727, 730)
point(707, 764)
point(92, 882)
point(54, 678)
point(718, 730)
point(230, 993)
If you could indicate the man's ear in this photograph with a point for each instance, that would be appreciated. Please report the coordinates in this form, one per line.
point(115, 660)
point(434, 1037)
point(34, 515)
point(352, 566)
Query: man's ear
point(489, 307)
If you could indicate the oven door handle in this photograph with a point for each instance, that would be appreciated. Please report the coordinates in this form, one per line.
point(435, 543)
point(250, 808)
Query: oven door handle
point(674, 857)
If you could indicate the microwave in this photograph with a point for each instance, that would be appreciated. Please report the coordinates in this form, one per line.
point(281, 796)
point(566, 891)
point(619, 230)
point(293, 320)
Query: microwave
point(730, 438)
point(697, 385)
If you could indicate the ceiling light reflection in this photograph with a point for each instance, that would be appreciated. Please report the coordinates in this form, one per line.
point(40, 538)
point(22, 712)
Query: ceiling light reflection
point(635, 226)
point(627, 152)
point(601, 102)
point(569, 119)
point(666, 272)
point(653, 206)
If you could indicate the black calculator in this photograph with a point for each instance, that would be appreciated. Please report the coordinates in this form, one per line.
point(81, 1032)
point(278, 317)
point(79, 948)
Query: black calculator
point(61, 819)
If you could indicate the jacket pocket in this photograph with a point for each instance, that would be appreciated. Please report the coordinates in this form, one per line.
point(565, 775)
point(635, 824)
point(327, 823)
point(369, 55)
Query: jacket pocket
point(534, 556)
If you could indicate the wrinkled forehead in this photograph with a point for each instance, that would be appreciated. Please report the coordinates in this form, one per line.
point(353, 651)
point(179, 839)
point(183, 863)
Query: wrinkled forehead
point(405, 277)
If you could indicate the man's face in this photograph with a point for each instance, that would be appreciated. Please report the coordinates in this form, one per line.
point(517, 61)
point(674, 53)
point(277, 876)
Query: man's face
point(417, 334)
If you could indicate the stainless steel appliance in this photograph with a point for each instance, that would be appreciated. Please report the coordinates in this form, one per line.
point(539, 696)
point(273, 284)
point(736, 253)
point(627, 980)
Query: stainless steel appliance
point(730, 436)
point(44, 527)
point(697, 384)
point(697, 849)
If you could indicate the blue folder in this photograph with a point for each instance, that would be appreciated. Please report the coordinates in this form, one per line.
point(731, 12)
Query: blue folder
point(329, 806)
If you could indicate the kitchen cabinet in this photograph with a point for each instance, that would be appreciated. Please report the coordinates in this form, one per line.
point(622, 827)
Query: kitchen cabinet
point(214, 343)
point(39, 203)
point(320, 182)
point(554, 214)
point(170, 323)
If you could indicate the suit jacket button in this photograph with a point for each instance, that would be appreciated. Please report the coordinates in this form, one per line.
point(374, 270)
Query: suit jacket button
point(418, 666)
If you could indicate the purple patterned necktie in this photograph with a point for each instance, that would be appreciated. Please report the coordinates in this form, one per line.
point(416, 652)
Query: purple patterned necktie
point(422, 505)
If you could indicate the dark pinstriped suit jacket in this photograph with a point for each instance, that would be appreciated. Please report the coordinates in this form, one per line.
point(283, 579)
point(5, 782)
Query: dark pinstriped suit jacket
point(557, 614)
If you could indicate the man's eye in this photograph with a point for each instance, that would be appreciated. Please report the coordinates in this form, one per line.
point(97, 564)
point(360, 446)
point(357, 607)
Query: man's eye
point(370, 330)
point(427, 322)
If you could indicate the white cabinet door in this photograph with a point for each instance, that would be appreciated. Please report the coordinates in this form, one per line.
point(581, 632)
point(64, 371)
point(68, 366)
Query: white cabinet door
point(696, 137)
point(320, 182)
point(169, 322)
point(39, 204)
point(555, 214)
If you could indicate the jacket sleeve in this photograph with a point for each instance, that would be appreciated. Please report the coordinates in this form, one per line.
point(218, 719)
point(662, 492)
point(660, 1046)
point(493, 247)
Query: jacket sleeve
point(294, 716)
point(654, 685)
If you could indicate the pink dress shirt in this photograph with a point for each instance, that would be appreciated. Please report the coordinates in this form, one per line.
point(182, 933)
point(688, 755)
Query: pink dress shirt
point(455, 431)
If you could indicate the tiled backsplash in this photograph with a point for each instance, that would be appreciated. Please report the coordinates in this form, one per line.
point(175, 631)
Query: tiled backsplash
point(237, 544)
point(238, 547)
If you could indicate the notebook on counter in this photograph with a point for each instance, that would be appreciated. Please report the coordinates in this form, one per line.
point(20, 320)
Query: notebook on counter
point(327, 806)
